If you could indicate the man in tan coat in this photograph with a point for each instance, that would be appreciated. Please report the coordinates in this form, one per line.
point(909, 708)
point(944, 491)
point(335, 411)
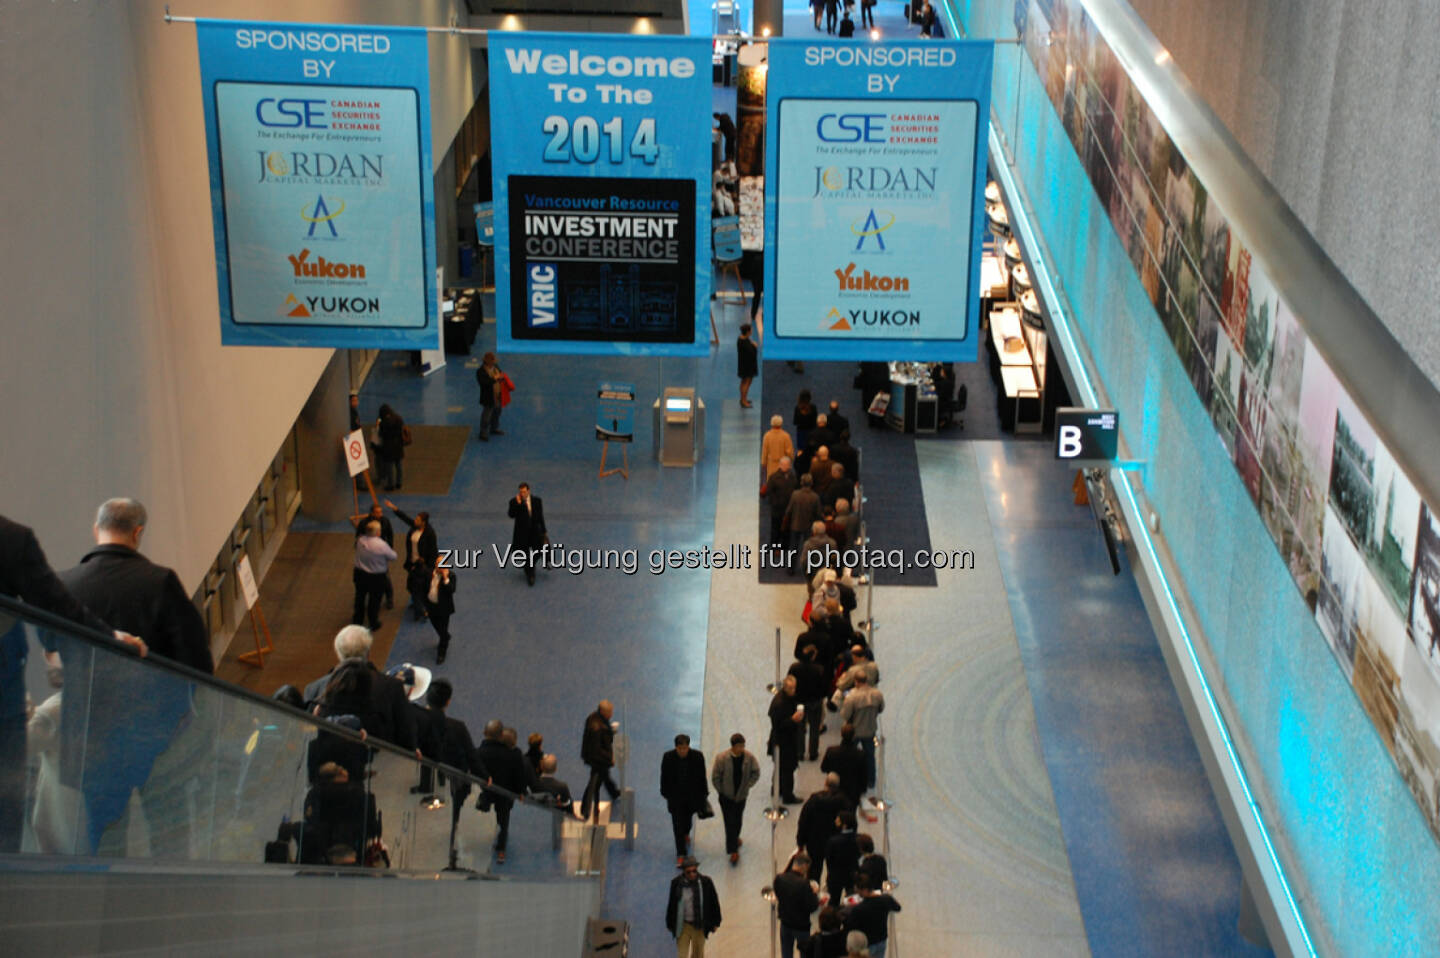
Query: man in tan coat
point(775, 446)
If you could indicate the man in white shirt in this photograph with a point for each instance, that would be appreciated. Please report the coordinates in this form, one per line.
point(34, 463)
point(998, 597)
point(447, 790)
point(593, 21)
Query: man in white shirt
point(372, 573)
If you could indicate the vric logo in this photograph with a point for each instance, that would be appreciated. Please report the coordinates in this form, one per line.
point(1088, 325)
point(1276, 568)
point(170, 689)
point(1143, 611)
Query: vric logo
point(292, 113)
point(540, 295)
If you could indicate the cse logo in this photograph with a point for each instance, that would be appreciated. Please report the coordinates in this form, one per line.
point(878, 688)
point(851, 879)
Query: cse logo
point(292, 113)
point(851, 128)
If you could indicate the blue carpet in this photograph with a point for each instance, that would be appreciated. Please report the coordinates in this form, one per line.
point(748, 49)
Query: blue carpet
point(540, 658)
point(894, 512)
point(1154, 869)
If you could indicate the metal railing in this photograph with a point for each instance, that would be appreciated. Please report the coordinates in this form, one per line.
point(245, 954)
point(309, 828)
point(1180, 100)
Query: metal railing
point(131, 759)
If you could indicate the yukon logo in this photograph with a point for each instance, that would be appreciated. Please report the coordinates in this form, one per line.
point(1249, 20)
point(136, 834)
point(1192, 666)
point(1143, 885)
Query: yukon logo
point(329, 305)
point(849, 320)
point(293, 307)
point(322, 268)
point(868, 282)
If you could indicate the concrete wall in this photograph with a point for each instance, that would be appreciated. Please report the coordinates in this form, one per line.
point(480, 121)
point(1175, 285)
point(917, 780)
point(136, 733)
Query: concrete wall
point(271, 911)
point(1334, 101)
point(112, 369)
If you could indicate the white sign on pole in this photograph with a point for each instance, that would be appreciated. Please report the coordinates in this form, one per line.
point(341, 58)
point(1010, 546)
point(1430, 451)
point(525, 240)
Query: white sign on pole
point(356, 456)
point(247, 582)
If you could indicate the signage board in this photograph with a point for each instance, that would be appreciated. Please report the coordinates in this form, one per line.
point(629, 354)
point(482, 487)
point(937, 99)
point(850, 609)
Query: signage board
point(246, 575)
point(615, 412)
point(321, 183)
point(357, 457)
point(601, 221)
point(1086, 435)
point(875, 173)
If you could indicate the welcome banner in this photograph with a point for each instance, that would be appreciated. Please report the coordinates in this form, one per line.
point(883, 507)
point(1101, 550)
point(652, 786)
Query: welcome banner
point(875, 179)
point(321, 184)
point(602, 199)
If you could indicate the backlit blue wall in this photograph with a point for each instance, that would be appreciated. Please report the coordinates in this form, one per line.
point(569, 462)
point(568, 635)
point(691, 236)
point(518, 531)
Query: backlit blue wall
point(1369, 867)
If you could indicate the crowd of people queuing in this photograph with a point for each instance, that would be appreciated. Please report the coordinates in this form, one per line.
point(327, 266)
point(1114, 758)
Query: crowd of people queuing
point(811, 484)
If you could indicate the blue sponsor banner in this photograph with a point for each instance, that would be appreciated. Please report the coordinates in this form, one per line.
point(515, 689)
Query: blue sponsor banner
point(321, 184)
point(874, 201)
point(602, 198)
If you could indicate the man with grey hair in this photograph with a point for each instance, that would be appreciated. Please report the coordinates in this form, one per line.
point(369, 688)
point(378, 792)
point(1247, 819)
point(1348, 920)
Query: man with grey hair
point(506, 766)
point(862, 709)
point(371, 575)
point(802, 511)
point(356, 687)
point(774, 446)
point(131, 719)
point(819, 551)
point(131, 593)
point(780, 485)
point(551, 788)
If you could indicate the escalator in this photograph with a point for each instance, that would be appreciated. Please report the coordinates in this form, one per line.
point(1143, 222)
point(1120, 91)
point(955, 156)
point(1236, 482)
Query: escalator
point(145, 807)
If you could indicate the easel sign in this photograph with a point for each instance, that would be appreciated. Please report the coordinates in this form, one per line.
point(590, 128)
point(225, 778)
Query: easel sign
point(357, 457)
point(357, 460)
point(615, 422)
point(258, 626)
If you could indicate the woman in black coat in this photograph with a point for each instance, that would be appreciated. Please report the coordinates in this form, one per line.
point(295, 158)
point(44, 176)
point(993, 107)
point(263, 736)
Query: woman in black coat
point(391, 448)
point(440, 604)
point(422, 551)
point(804, 421)
point(747, 364)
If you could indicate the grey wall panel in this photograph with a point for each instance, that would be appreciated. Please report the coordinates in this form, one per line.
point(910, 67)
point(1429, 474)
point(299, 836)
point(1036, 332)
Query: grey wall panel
point(112, 373)
point(1335, 102)
point(280, 914)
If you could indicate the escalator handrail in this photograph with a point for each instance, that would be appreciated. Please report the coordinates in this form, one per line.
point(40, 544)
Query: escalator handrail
point(108, 645)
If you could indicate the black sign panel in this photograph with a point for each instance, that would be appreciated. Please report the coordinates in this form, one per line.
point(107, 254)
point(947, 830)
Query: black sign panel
point(595, 258)
point(1086, 434)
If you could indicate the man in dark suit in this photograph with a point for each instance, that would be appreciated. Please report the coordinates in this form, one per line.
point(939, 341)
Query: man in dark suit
point(387, 535)
point(786, 714)
point(457, 750)
point(597, 750)
point(780, 485)
point(530, 533)
point(847, 455)
point(128, 590)
point(838, 424)
point(130, 720)
point(684, 788)
point(847, 761)
point(553, 789)
point(25, 574)
point(507, 770)
point(818, 822)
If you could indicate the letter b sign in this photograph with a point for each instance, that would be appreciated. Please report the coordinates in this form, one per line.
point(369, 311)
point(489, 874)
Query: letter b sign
point(1090, 435)
point(1070, 444)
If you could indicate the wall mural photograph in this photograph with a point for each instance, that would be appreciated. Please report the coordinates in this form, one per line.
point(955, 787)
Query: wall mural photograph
point(1359, 542)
